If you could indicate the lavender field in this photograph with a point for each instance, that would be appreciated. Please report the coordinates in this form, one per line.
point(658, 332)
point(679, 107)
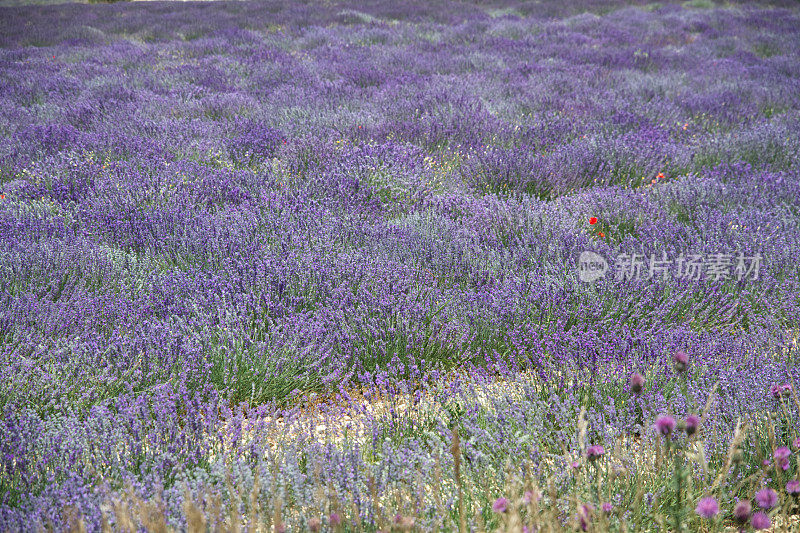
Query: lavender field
point(400, 265)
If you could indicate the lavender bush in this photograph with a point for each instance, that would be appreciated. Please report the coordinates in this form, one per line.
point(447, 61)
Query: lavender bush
point(318, 266)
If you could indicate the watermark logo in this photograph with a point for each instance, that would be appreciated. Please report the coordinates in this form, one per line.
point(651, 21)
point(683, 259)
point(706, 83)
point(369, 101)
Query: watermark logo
point(715, 267)
point(591, 266)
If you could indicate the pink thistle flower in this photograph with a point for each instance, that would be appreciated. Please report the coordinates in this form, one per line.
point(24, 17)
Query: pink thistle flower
point(782, 457)
point(681, 361)
point(692, 423)
point(585, 515)
point(742, 511)
point(793, 486)
point(637, 382)
point(500, 505)
point(707, 507)
point(665, 424)
point(760, 521)
point(766, 498)
point(595, 452)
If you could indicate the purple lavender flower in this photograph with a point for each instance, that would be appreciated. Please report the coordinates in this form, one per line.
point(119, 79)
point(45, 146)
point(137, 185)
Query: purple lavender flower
point(766, 498)
point(692, 423)
point(707, 507)
point(793, 486)
point(595, 452)
point(760, 521)
point(742, 511)
point(637, 382)
point(665, 424)
point(681, 361)
point(500, 505)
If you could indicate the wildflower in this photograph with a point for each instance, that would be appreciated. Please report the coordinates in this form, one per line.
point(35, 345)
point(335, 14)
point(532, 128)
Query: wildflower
point(602, 235)
point(2, 196)
point(780, 390)
point(692, 422)
point(782, 453)
point(529, 497)
point(335, 519)
point(500, 505)
point(793, 486)
point(760, 521)
point(314, 524)
point(766, 498)
point(576, 465)
point(637, 382)
point(742, 511)
point(665, 424)
point(707, 507)
point(660, 176)
point(404, 523)
point(796, 443)
point(593, 221)
point(595, 452)
point(618, 471)
point(681, 361)
point(607, 508)
point(585, 515)
point(782, 457)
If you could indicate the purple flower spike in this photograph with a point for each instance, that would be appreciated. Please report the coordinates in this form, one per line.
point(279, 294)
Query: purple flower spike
point(766, 498)
point(760, 521)
point(500, 505)
point(707, 507)
point(665, 424)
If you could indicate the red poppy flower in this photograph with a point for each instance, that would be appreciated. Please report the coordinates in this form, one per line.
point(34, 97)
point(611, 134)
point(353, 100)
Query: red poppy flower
point(2, 196)
point(602, 235)
point(593, 221)
point(660, 176)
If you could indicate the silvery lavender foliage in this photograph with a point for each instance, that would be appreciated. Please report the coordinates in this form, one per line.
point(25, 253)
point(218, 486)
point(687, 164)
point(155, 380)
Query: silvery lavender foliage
point(207, 211)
